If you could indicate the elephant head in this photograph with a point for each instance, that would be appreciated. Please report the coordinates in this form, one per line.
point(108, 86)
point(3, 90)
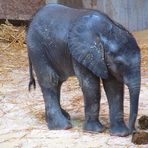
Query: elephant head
point(105, 47)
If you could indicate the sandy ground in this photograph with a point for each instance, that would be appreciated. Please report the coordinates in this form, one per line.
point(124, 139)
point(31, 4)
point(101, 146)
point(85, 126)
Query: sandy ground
point(22, 121)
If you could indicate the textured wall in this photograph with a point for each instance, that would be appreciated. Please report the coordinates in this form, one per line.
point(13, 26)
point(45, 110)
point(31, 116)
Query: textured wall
point(71, 3)
point(90, 4)
point(133, 14)
point(19, 9)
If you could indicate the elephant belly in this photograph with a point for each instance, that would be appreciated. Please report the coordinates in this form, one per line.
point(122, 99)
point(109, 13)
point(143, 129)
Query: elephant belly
point(61, 61)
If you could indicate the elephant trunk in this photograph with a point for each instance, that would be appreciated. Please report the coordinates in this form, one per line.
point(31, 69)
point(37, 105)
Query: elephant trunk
point(133, 84)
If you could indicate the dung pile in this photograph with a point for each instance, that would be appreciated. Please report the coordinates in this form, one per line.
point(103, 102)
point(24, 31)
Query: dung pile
point(140, 138)
point(143, 122)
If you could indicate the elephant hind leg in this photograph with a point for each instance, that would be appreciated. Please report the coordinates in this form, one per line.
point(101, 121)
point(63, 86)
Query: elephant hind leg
point(91, 92)
point(49, 82)
point(56, 117)
point(65, 113)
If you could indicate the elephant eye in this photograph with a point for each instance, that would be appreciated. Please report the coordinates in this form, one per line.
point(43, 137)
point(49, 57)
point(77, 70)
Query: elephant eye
point(120, 61)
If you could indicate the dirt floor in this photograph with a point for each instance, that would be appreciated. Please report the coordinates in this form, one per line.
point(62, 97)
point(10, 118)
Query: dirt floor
point(22, 121)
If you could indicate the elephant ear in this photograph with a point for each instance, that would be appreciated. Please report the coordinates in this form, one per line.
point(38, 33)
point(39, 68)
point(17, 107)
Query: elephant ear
point(86, 48)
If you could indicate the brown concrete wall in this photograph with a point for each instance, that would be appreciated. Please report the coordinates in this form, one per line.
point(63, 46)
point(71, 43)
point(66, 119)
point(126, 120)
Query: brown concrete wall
point(19, 9)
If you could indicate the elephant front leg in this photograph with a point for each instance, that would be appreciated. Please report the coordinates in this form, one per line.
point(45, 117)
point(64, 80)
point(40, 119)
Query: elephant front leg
point(91, 92)
point(114, 91)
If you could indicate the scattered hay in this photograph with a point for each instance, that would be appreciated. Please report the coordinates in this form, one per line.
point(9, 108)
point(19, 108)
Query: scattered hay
point(142, 39)
point(12, 47)
point(14, 36)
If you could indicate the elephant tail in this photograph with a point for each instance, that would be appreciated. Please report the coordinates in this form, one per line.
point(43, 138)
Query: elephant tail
point(32, 79)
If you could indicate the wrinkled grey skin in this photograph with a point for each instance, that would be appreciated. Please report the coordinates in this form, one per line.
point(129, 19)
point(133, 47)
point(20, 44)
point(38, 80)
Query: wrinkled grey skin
point(63, 42)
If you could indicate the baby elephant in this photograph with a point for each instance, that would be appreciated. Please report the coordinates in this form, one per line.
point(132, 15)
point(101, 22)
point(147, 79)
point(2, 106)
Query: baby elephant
point(64, 42)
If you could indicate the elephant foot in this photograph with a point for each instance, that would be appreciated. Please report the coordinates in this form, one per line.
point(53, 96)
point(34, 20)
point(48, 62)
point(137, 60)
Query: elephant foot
point(93, 126)
point(66, 114)
point(120, 130)
point(58, 122)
